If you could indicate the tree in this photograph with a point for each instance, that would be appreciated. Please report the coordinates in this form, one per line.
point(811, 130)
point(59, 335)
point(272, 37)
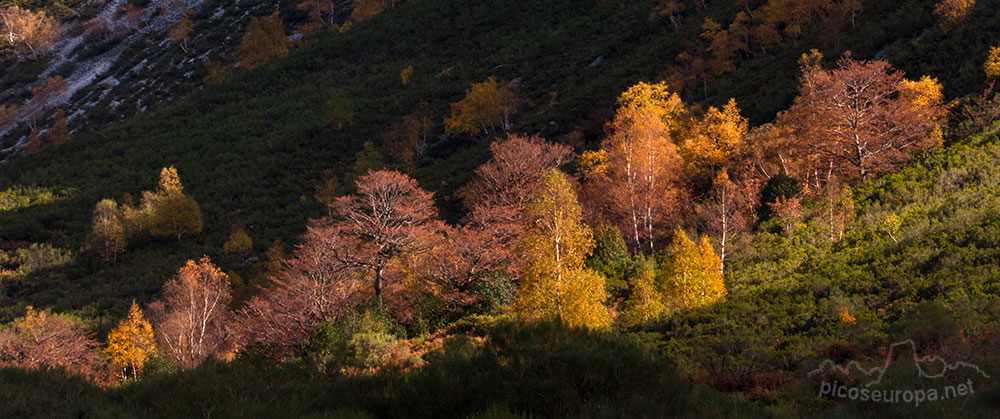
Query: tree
point(59, 133)
point(366, 161)
point(32, 145)
point(727, 211)
point(515, 169)
point(645, 303)
point(471, 252)
point(390, 216)
point(107, 235)
point(338, 110)
point(691, 276)
point(263, 41)
point(312, 287)
point(715, 141)
point(8, 115)
point(320, 14)
point(29, 33)
point(486, 108)
point(855, 118)
point(555, 283)
point(992, 65)
point(190, 318)
point(181, 30)
point(953, 13)
point(42, 339)
point(640, 183)
point(239, 241)
point(131, 343)
point(170, 212)
point(405, 74)
point(367, 9)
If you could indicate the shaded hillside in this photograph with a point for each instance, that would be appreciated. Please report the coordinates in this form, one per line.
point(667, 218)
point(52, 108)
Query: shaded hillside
point(253, 148)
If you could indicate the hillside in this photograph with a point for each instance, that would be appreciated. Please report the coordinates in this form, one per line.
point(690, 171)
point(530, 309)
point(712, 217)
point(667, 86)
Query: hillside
point(917, 258)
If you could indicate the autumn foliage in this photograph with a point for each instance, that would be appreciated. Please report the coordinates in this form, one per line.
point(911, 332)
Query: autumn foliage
point(691, 275)
point(130, 343)
point(486, 108)
point(263, 41)
point(191, 317)
point(29, 33)
point(861, 118)
point(637, 179)
point(311, 287)
point(555, 283)
point(42, 339)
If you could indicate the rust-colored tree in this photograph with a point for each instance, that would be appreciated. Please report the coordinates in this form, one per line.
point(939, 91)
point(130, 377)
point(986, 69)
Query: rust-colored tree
point(30, 34)
point(728, 210)
point(855, 119)
point(367, 9)
point(512, 173)
point(59, 133)
point(312, 287)
point(42, 339)
point(390, 216)
point(190, 318)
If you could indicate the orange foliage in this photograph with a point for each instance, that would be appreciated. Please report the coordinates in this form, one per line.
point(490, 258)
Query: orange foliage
point(190, 319)
point(29, 33)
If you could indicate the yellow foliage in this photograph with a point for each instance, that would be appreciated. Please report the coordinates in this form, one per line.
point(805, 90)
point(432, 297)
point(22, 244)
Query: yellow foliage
point(923, 92)
point(107, 234)
point(181, 30)
point(692, 274)
point(239, 241)
point(953, 13)
point(487, 107)
point(29, 33)
point(592, 164)
point(555, 283)
point(263, 41)
point(130, 343)
point(992, 64)
point(716, 139)
point(655, 98)
point(405, 74)
point(170, 182)
point(845, 316)
point(169, 212)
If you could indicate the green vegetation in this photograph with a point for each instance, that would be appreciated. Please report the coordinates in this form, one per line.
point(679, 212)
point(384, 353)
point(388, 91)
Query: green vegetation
point(518, 371)
point(918, 258)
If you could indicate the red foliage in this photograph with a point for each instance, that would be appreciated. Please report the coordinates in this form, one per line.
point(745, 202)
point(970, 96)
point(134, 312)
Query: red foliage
point(517, 164)
point(389, 217)
point(854, 120)
point(313, 287)
point(42, 339)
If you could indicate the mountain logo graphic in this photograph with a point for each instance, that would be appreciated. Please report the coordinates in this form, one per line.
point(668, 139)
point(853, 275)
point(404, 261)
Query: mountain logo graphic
point(923, 364)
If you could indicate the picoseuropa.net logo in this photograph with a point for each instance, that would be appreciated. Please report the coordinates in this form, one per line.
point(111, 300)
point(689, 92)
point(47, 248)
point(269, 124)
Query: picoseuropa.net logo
point(870, 387)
